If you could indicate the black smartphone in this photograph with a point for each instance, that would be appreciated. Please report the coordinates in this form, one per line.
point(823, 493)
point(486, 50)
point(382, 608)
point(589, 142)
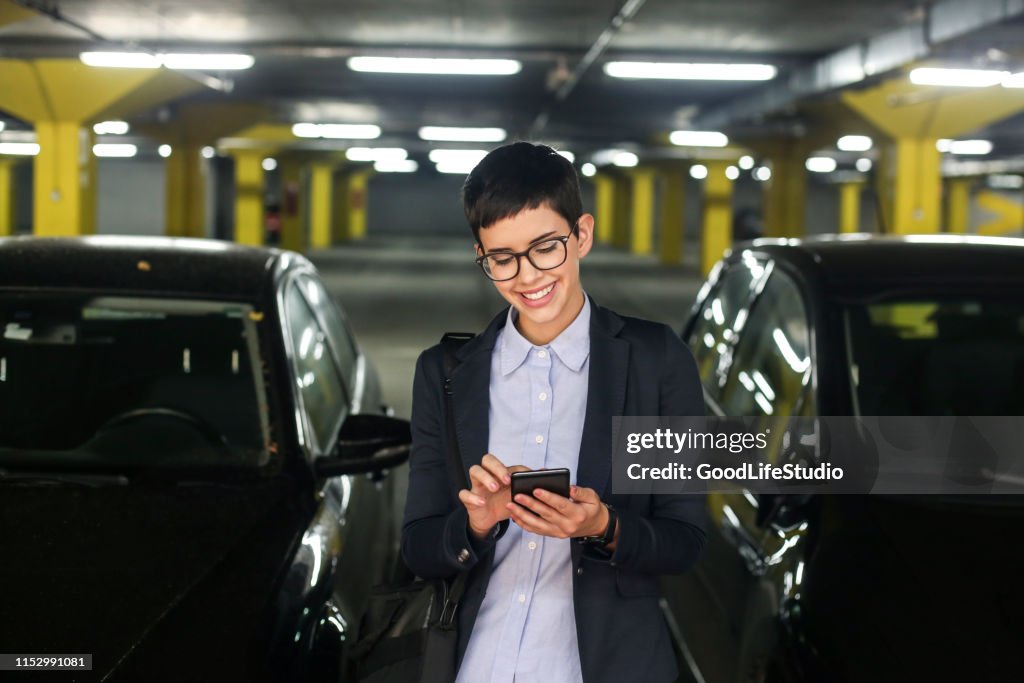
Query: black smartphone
point(555, 481)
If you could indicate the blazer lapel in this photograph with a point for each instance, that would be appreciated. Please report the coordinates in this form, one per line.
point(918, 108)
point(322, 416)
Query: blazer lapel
point(606, 396)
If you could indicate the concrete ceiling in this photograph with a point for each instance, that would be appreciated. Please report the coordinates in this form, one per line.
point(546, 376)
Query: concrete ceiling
point(301, 47)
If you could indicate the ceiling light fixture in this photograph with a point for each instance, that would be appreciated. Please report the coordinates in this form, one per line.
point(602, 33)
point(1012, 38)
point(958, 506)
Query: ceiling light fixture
point(691, 71)
point(762, 174)
point(395, 166)
point(269, 164)
point(589, 170)
point(568, 155)
point(454, 167)
point(698, 171)
point(732, 172)
point(114, 150)
point(336, 131)
point(456, 134)
point(957, 78)
point(625, 160)
point(376, 154)
point(820, 164)
point(435, 66)
point(453, 156)
point(970, 147)
point(164, 151)
point(863, 164)
point(1014, 80)
point(208, 152)
point(698, 138)
point(121, 60)
point(746, 162)
point(111, 128)
point(19, 149)
point(208, 62)
point(854, 143)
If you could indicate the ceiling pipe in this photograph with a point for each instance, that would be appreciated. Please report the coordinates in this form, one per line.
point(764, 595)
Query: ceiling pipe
point(626, 12)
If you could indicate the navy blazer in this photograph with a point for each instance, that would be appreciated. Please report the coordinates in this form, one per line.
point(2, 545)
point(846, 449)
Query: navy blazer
point(637, 367)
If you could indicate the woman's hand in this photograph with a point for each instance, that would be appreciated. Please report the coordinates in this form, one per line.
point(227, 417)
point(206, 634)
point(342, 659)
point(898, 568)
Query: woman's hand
point(487, 500)
point(549, 514)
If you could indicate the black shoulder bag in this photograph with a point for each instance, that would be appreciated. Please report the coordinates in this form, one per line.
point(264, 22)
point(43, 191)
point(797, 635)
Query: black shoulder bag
point(408, 632)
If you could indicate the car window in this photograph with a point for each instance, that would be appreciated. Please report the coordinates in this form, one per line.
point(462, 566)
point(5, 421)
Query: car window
point(721, 318)
point(336, 326)
point(135, 381)
point(772, 363)
point(317, 376)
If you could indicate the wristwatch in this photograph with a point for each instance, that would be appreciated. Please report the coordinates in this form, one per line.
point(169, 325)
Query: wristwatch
point(609, 533)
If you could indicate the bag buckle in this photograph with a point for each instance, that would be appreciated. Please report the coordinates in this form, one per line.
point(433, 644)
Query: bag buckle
point(447, 619)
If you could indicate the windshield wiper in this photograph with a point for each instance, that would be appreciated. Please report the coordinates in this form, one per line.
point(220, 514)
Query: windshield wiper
point(47, 478)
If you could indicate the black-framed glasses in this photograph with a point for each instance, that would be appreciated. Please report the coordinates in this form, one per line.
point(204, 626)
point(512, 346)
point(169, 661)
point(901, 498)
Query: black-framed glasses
point(544, 255)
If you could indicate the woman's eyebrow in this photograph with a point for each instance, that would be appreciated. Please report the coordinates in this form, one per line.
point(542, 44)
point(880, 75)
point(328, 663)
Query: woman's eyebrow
point(540, 238)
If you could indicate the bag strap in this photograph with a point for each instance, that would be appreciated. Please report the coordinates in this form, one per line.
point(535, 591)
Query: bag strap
point(451, 342)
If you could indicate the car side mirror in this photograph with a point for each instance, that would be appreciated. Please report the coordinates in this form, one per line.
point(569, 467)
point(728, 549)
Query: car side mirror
point(367, 443)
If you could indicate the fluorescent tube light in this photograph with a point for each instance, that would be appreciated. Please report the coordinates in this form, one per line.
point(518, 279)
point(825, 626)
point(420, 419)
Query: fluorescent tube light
point(336, 131)
point(121, 60)
point(2, 126)
point(468, 156)
point(1014, 80)
point(115, 150)
point(958, 78)
point(395, 166)
point(452, 134)
point(375, 154)
point(854, 143)
point(111, 128)
point(432, 66)
point(626, 160)
point(20, 149)
point(970, 147)
point(820, 164)
point(691, 71)
point(698, 171)
point(568, 155)
point(455, 167)
point(698, 138)
point(208, 62)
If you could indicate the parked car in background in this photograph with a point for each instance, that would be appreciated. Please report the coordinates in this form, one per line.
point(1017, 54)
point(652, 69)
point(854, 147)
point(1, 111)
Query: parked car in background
point(193, 450)
point(844, 587)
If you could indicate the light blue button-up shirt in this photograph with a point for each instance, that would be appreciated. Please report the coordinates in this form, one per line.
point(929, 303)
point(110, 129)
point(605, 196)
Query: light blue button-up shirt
point(526, 628)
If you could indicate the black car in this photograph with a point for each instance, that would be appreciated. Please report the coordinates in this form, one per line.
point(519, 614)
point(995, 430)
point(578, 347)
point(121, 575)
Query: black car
point(855, 587)
point(193, 456)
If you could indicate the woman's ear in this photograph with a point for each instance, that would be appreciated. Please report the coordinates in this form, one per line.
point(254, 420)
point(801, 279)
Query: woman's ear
point(585, 234)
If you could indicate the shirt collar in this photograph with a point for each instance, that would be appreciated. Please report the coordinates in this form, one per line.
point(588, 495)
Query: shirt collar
point(572, 346)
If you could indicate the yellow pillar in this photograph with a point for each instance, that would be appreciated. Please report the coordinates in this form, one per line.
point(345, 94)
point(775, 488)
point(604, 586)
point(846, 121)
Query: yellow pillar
point(910, 186)
point(65, 180)
point(716, 225)
point(185, 186)
point(321, 181)
point(670, 234)
point(958, 205)
point(642, 213)
point(604, 201)
point(357, 201)
point(6, 197)
point(249, 210)
point(340, 213)
point(623, 204)
point(849, 206)
point(292, 234)
point(785, 196)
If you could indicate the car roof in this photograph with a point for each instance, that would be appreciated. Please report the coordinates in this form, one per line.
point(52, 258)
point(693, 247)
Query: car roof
point(165, 265)
point(858, 264)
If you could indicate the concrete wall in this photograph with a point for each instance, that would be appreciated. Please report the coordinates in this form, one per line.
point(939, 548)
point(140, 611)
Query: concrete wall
point(131, 197)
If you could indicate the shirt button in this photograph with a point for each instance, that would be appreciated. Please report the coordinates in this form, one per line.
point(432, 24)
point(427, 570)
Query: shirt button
point(539, 439)
point(579, 572)
point(532, 545)
point(542, 354)
point(521, 598)
point(463, 555)
point(543, 396)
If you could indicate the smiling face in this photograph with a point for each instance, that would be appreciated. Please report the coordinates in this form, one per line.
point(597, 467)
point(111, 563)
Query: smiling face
point(547, 300)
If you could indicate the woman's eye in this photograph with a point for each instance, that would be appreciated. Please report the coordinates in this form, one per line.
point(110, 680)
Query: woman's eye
point(500, 261)
point(546, 248)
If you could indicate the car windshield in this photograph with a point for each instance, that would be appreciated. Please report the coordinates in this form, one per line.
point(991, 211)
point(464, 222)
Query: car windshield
point(962, 356)
point(130, 382)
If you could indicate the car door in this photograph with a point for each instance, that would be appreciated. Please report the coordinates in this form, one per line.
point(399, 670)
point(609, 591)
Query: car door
point(751, 339)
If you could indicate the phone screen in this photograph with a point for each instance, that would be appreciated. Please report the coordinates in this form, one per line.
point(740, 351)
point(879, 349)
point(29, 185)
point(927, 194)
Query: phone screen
point(556, 481)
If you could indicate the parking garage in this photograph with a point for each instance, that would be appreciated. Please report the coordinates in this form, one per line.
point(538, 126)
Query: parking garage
point(229, 231)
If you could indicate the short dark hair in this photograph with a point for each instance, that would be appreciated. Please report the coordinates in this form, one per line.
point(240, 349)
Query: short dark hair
point(517, 177)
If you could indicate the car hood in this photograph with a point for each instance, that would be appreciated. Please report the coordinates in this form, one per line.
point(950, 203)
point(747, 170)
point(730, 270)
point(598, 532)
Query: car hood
point(144, 578)
point(912, 589)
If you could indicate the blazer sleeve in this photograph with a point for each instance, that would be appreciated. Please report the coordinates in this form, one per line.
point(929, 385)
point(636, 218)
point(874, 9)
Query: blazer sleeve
point(435, 528)
point(670, 539)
